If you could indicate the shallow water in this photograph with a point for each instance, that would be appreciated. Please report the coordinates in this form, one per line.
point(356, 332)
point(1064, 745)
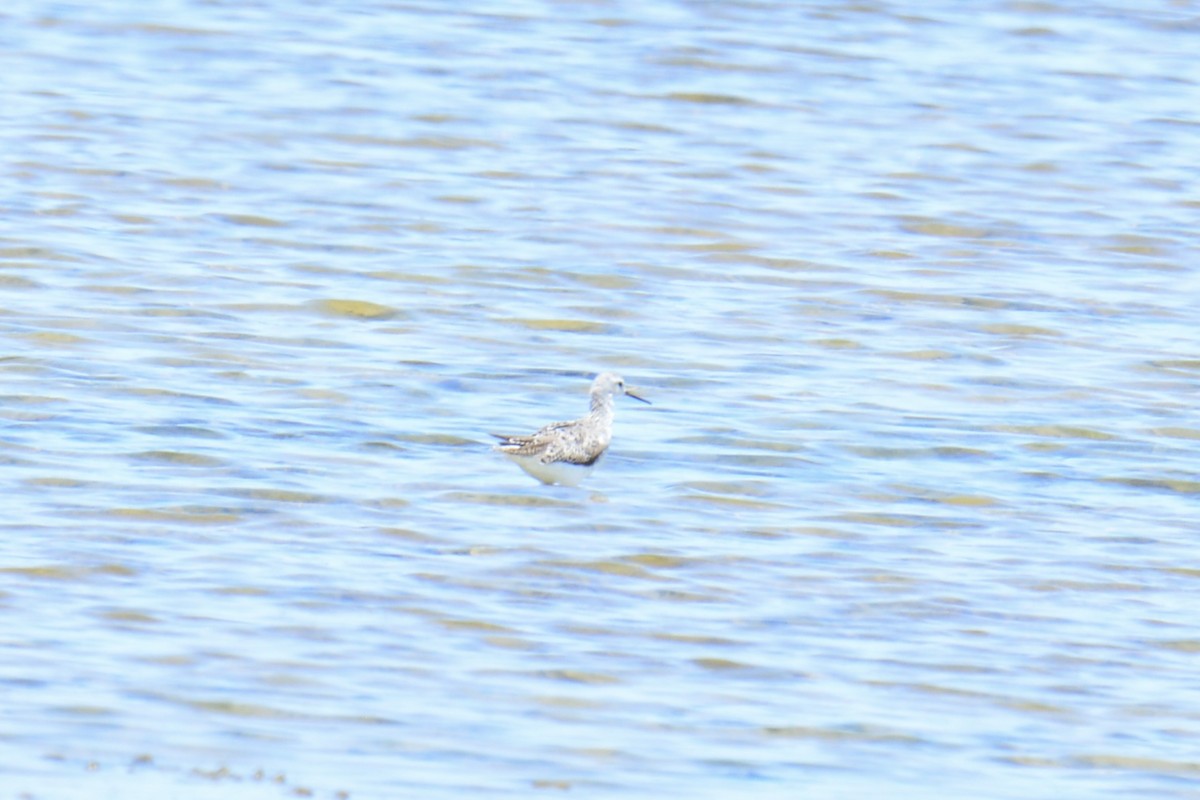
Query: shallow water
point(913, 293)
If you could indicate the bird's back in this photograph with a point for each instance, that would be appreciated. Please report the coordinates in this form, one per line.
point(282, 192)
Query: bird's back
point(579, 441)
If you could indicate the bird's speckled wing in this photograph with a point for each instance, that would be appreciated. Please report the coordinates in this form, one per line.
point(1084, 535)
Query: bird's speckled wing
point(530, 444)
point(572, 442)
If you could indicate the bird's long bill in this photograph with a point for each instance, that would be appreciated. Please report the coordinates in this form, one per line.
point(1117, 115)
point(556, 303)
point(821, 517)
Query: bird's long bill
point(630, 393)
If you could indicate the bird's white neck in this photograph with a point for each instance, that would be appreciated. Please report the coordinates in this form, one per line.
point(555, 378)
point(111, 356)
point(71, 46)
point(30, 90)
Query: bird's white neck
point(602, 405)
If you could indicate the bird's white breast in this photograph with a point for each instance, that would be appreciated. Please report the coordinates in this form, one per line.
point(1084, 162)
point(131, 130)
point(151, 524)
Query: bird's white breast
point(563, 473)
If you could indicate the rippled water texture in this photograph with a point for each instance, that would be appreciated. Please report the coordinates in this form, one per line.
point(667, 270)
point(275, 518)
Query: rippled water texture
point(913, 288)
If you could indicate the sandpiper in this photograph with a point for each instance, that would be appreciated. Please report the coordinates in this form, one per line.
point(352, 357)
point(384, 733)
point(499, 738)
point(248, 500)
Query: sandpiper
point(567, 452)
